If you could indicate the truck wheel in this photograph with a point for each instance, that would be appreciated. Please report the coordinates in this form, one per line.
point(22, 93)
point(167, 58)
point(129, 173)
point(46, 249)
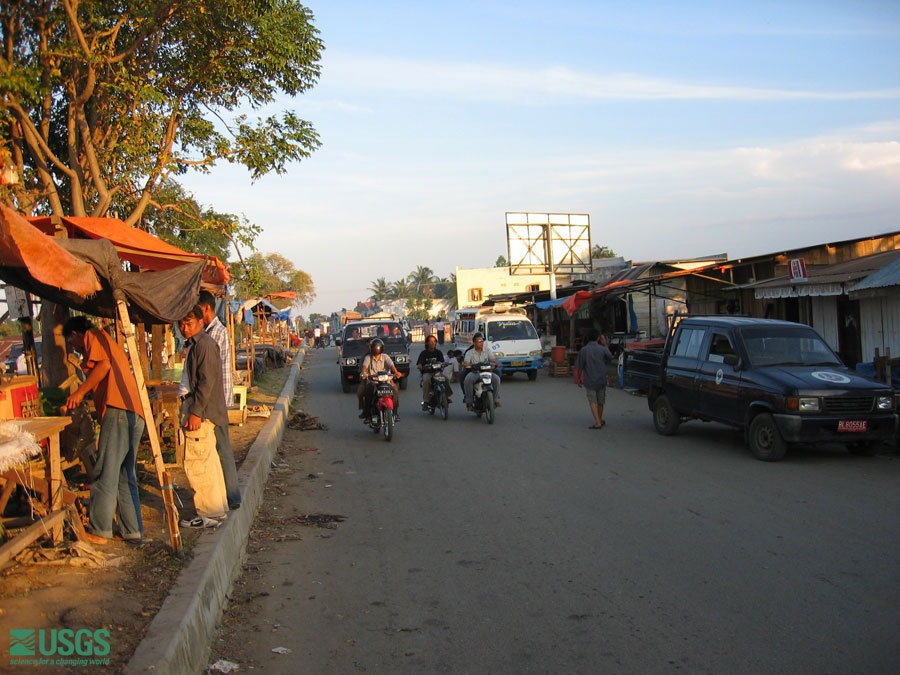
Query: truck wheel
point(765, 440)
point(665, 418)
point(404, 381)
point(345, 386)
point(532, 375)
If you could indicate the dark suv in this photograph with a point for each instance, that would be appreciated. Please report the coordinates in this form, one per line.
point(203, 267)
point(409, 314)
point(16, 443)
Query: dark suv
point(352, 349)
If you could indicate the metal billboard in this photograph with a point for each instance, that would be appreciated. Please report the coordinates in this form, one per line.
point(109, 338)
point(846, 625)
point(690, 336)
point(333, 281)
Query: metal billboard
point(549, 243)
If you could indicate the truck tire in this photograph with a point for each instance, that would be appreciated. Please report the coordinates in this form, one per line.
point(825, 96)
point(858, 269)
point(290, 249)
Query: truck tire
point(532, 375)
point(345, 386)
point(765, 440)
point(665, 417)
point(404, 381)
point(863, 448)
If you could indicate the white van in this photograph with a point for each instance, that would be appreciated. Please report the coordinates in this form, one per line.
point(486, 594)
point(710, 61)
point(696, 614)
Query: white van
point(508, 334)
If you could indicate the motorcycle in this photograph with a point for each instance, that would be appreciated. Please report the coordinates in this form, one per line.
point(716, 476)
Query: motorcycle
point(483, 392)
point(382, 418)
point(439, 399)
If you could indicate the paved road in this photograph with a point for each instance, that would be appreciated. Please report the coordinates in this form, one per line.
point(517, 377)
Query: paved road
point(538, 546)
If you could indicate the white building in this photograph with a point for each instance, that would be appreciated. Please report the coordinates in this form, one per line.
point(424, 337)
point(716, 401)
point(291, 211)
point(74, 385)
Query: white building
point(473, 286)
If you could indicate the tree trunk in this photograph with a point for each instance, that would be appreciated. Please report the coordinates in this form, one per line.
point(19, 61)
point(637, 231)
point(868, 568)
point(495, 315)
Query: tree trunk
point(54, 368)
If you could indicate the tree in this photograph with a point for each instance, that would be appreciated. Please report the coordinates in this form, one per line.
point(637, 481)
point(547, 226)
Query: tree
point(599, 251)
point(381, 290)
point(400, 289)
point(417, 307)
point(501, 262)
point(104, 103)
point(273, 273)
point(420, 280)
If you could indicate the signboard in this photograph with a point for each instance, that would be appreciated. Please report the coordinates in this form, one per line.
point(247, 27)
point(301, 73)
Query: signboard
point(798, 270)
point(549, 243)
point(17, 303)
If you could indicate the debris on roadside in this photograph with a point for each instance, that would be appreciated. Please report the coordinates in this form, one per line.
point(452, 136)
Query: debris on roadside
point(75, 554)
point(305, 422)
point(325, 520)
point(222, 666)
point(281, 650)
point(259, 411)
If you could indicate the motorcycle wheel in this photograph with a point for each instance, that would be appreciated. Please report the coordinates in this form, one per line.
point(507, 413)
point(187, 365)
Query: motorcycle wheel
point(489, 407)
point(445, 405)
point(388, 426)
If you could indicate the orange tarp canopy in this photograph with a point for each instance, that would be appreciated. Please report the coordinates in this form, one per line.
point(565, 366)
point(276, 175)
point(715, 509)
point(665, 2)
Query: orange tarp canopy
point(136, 246)
point(22, 246)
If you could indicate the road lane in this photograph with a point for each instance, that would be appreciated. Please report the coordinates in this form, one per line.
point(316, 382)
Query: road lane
point(537, 545)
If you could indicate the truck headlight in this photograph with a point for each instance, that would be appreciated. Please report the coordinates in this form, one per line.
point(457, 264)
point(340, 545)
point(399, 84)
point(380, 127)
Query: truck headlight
point(349, 362)
point(400, 358)
point(808, 404)
point(535, 352)
point(499, 355)
point(803, 404)
point(884, 403)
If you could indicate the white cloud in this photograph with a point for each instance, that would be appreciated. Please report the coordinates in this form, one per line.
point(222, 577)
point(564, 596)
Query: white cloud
point(543, 86)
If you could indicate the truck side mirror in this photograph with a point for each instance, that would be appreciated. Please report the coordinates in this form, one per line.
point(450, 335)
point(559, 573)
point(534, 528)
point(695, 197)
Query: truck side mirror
point(732, 360)
point(337, 341)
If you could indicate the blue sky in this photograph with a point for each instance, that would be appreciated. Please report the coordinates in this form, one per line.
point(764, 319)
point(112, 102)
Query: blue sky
point(683, 129)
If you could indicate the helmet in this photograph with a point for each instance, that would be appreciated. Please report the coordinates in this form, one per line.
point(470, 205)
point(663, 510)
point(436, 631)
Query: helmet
point(377, 346)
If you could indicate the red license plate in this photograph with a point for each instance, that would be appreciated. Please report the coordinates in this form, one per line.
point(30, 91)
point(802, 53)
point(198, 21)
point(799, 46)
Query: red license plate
point(853, 425)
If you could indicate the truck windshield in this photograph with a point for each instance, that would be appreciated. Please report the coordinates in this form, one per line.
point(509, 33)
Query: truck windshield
point(511, 330)
point(787, 346)
point(387, 331)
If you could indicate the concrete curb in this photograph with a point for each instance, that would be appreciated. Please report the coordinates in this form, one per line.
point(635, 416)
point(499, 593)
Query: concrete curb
point(178, 639)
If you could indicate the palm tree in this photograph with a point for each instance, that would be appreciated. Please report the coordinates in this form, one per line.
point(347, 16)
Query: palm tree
point(401, 289)
point(421, 279)
point(446, 290)
point(381, 290)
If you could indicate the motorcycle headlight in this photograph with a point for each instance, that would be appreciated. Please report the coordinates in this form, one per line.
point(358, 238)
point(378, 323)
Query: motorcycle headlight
point(535, 352)
point(884, 403)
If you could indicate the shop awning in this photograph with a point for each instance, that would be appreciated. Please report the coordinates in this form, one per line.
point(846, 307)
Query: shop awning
point(83, 274)
point(136, 246)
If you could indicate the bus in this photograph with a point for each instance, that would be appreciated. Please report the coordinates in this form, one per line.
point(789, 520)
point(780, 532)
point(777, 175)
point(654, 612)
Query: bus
point(509, 336)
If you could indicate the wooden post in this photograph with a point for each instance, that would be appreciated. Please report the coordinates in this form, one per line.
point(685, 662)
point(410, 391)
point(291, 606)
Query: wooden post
point(156, 348)
point(165, 483)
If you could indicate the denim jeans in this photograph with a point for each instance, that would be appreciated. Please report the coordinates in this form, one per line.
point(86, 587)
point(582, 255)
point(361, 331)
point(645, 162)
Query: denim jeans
point(111, 490)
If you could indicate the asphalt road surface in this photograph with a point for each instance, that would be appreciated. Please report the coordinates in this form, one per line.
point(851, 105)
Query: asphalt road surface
point(536, 545)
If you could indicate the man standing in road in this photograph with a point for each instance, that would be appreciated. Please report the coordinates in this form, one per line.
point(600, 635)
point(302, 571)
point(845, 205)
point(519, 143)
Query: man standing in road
point(121, 427)
point(219, 333)
point(590, 373)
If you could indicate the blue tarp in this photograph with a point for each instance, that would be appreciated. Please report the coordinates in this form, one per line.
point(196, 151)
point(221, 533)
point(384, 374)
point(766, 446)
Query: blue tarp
point(549, 304)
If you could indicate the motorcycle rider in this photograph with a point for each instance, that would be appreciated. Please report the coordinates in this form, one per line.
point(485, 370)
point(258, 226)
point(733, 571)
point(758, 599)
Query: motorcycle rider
point(474, 356)
point(378, 362)
point(430, 352)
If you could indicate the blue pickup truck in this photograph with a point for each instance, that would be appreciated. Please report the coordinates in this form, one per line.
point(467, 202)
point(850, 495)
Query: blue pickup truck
point(778, 381)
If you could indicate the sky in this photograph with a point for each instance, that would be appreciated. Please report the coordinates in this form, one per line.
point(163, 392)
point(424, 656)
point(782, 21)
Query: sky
point(684, 129)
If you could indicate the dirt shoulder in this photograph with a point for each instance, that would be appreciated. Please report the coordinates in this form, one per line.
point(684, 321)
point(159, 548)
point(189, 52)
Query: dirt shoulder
point(64, 588)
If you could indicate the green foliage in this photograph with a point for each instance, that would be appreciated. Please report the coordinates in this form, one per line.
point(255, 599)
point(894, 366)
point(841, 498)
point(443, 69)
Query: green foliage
point(273, 273)
point(104, 105)
point(599, 251)
point(501, 261)
point(417, 307)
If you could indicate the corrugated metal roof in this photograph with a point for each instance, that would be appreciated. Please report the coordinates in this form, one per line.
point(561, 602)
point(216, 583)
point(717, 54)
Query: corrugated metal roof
point(838, 273)
point(889, 275)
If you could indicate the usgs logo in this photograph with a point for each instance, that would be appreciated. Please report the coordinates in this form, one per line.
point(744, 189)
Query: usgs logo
point(65, 642)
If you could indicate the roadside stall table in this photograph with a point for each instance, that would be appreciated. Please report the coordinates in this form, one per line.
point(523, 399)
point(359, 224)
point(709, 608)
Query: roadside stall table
point(42, 428)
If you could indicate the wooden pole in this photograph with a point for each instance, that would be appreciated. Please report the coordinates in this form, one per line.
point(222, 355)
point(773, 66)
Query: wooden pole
point(156, 348)
point(165, 483)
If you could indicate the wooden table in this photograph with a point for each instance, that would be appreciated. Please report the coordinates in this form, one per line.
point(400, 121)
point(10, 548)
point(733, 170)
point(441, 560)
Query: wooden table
point(49, 428)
